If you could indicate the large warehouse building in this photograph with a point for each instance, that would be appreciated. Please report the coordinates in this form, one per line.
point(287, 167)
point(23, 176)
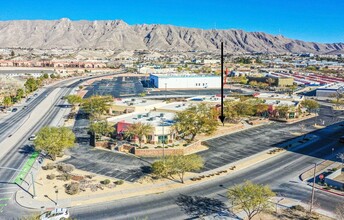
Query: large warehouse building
point(185, 81)
point(330, 89)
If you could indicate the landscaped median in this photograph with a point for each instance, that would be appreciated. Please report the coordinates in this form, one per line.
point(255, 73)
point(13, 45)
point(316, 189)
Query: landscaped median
point(26, 168)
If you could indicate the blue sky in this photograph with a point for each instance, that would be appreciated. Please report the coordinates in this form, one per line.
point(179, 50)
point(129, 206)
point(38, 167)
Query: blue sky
point(311, 20)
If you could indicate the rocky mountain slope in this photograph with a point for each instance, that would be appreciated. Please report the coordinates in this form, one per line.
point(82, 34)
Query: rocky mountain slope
point(118, 35)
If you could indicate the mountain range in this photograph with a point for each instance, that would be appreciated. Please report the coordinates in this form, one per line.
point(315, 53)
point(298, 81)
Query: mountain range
point(118, 35)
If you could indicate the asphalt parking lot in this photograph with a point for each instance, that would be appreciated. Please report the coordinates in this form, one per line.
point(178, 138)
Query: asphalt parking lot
point(132, 86)
point(117, 87)
point(230, 148)
point(107, 163)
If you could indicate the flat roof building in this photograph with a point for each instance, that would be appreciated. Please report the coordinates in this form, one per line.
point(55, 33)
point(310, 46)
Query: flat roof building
point(329, 90)
point(185, 81)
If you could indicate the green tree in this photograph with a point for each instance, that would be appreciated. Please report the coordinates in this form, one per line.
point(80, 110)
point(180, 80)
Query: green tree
point(310, 105)
point(244, 108)
point(45, 76)
point(101, 128)
point(74, 100)
point(283, 111)
point(142, 94)
point(20, 93)
point(197, 119)
point(31, 85)
point(54, 140)
point(252, 198)
point(177, 165)
point(7, 101)
point(253, 83)
point(96, 105)
point(12, 53)
point(139, 130)
point(53, 76)
point(260, 109)
point(230, 112)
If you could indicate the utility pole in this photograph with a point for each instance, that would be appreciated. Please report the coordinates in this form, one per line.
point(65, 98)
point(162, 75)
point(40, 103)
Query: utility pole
point(312, 199)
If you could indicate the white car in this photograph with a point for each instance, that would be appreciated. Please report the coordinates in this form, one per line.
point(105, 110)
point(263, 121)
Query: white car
point(32, 137)
point(56, 214)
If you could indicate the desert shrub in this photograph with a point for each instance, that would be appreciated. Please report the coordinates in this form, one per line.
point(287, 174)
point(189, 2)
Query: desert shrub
point(90, 176)
point(145, 147)
point(105, 182)
point(51, 166)
point(119, 182)
point(66, 168)
point(298, 208)
point(64, 177)
point(51, 176)
point(72, 188)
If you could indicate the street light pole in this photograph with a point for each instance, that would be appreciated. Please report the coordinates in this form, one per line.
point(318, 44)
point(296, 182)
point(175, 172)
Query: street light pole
point(32, 180)
point(312, 199)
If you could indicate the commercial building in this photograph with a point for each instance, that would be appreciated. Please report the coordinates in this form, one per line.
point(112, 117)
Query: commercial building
point(185, 81)
point(160, 121)
point(329, 90)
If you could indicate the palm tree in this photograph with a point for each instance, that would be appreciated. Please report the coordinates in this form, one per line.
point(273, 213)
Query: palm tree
point(139, 130)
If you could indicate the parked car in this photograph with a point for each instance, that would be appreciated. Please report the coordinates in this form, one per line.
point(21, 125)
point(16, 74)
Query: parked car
point(14, 109)
point(32, 137)
point(56, 214)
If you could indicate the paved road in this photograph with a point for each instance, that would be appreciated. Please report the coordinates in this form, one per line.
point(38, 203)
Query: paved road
point(280, 172)
point(19, 154)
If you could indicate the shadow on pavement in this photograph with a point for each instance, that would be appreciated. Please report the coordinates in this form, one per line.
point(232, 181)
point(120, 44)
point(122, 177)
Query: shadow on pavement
point(27, 149)
point(201, 206)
